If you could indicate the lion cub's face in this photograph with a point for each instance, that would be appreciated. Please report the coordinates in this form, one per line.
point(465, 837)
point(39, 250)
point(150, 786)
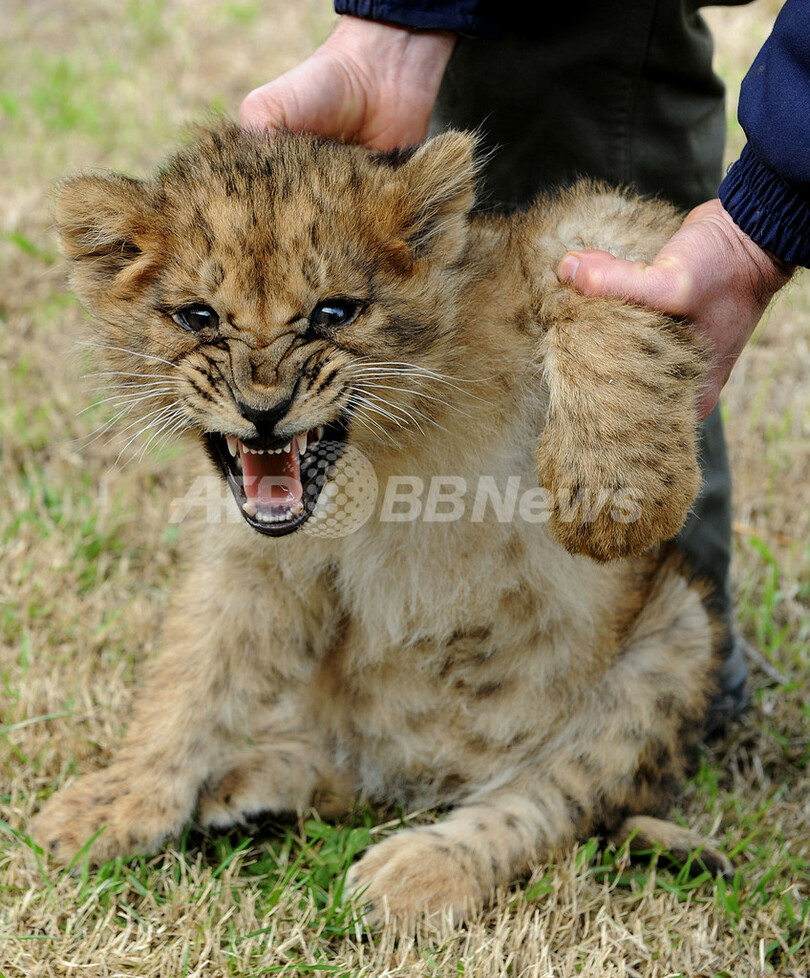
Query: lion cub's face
point(271, 293)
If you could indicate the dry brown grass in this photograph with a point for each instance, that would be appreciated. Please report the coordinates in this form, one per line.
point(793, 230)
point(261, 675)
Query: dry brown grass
point(87, 557)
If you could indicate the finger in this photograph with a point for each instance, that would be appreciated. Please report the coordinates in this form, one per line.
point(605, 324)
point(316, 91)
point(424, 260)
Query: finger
point(662, 285)
point(314, 96)
point(657, 286)
point(259, 110)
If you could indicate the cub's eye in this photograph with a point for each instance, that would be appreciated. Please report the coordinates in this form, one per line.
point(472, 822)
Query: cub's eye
point(196, 318)
point(332, 313)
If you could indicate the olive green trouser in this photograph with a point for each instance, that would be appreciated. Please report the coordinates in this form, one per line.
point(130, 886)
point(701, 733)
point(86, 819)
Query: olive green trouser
point(621, 90)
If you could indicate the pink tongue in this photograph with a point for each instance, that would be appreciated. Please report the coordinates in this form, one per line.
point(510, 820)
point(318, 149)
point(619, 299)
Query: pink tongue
point(272, 480)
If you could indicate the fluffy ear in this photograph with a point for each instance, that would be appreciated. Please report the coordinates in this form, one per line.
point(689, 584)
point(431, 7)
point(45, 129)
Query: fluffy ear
point(439, 188)
point(105, 225)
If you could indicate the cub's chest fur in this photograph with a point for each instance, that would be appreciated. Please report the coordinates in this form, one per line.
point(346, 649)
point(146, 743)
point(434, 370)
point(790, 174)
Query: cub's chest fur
point(538, 660)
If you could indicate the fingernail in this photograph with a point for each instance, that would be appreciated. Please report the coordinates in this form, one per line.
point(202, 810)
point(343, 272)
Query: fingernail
point(567, 269)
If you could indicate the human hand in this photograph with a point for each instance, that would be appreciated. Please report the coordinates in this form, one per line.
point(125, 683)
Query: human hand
point(369, 82)
point(709, 273)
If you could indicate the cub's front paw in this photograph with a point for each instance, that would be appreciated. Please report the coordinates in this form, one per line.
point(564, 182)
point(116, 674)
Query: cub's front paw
point(619, 450)
point(608, 516)
point(104, 813)
point(415, 875)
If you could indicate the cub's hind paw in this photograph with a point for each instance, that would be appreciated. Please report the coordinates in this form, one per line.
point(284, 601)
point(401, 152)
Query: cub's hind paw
point(279, 777)
point(414, 876)
point(641, 834)
point(233, 800)
point(101, 815)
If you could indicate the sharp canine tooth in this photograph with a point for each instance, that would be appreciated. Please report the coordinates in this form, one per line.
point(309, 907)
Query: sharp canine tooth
point(287, 448)
point(233, 445)
point(302, 443)
point(249, 508)
point(319, 432)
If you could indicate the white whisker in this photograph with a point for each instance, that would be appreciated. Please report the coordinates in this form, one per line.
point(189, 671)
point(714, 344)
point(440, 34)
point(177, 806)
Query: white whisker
point(395, 412)
point(127, 373)
point(86, 440)
point(396, 368)
point(368, 422)
point(131, 399)
point(135, 353)
point(174, 422)
point(161, 416)
point(372, 405)
point(146, 420)
point(134, 385)
point(181, 424)
point(408, 390)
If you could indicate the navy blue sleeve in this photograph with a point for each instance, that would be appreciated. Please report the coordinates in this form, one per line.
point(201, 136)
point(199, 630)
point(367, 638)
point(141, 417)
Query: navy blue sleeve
point(767, 191)
point(477, 17)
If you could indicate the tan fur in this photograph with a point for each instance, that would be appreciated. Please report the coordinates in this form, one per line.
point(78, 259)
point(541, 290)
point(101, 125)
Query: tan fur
point(488, 665)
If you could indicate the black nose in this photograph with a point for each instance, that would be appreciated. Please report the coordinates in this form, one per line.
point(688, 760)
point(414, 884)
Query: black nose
point(265, 419)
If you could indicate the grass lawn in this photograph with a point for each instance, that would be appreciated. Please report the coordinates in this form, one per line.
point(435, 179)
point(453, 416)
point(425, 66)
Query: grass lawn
point(88, 556)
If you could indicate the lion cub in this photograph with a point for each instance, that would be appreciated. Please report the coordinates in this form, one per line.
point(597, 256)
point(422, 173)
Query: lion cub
point(527, 655)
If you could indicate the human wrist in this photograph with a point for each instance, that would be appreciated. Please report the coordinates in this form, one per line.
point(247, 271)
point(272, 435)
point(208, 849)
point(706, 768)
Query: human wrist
point(402, 55)
point(773, 271)
point(773, 213)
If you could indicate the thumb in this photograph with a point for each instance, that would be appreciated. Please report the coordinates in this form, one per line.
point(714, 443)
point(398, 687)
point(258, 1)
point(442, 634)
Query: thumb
point(314, 96)
point(597, 273)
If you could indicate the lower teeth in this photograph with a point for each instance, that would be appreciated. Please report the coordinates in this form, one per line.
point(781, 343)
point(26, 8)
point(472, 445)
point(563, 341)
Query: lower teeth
point(282, 516)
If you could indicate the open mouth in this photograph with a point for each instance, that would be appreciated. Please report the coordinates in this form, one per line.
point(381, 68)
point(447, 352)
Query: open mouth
point(276, 485)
